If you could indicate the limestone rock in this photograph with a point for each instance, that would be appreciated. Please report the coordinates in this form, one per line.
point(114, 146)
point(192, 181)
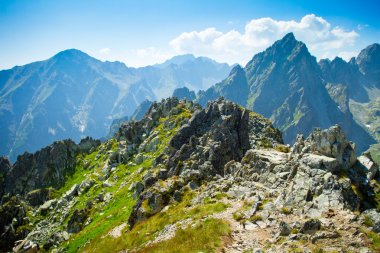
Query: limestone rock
point(370, 166)
point(310, 226)
point(284, 229)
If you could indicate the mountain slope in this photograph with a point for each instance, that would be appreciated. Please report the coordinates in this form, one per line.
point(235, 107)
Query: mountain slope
point(355, 86)
point(284, 83)
point(186, 179)
point(70, 95)
point(73, 95)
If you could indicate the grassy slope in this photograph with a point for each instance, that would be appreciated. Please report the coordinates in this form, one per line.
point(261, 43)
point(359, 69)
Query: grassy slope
point(105, 216)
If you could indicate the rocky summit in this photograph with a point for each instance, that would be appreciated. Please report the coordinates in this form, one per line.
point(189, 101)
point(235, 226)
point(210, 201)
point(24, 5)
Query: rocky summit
point(191, 179)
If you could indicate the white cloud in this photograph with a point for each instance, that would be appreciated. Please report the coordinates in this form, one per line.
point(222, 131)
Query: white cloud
point(105, 51)
point(323, 40)
point(147, 56)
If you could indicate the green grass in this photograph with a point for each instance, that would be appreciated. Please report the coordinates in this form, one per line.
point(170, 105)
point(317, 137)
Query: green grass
point(367, 221)
point(204, 237)
point(144, 231)
point(286, 211)
point(255, 218)
point(118, 210)
point(375, 152)
point(106, 216)
point(238, 216)
point(282, 148)
point(374, 238)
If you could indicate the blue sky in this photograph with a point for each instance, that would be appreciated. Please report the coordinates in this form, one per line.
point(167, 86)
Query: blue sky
point(145, 32)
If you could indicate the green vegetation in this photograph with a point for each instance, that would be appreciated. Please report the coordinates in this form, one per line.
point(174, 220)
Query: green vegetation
point(282, 148)
point(265, 143)
point(374, 237)
point(204, 237)
point(255, 218)
point(375, 152)
point(238, 216)
point(145, 231)
point(107, 215)
point(367, 221)
point(286, 211)
point(376, 189)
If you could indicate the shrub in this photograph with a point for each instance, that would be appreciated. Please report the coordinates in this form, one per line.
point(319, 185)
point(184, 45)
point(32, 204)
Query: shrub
point(238, 216)
point(255, 218)
point(282, 148)
point(286, 211)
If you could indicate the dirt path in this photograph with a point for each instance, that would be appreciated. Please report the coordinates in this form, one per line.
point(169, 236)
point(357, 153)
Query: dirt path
point(242, 238)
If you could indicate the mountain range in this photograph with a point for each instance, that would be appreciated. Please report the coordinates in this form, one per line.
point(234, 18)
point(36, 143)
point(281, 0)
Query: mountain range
point(286, 84)
point(192, 179)
point(73, 95)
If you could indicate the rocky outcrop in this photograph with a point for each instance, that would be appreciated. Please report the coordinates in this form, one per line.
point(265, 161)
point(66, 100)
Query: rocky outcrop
point(330, 142)
point(77, 220)
point(182, 156)
point(184, 93)
point(5, 167)
point(199, 151)
point(12, 222)
point(47, 167)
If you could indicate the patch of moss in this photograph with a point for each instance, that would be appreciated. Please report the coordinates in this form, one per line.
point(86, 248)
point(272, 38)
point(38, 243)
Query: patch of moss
point(255, 218)
point(367, 221)
point(238, 216)
point(265, 143)
point(375, 239)
point(286, 211)
point(282, 148)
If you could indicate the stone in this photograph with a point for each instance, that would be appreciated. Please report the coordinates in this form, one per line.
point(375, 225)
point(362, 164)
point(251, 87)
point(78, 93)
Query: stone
point(324, 235)
point(149, 181)
point(85, 185)
point(321, 162)
point(162, 174)
point(370, 166)
point(26, 246)
point(139, 188)
point(177, 196)
point(106, 184)
point(47, 206)
point(374, 216)
point(284, 229)
point(254, 208)
point(38, 197)
point(330, 142)
point(139, 158)
point(72, 192)
point(193, 185)
point(310, 226)
point(77, 220)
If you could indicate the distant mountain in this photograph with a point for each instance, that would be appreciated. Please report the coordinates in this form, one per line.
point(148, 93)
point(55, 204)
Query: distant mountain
point(195, 73)
point(73, 95)
point(184, 93)
point(286, 84)
point(355, 87)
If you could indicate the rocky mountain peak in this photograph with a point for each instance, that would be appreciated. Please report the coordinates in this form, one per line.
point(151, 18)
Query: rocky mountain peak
point(71, 54)
point(288, 47)
point(368, 61)
point(237, 70)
